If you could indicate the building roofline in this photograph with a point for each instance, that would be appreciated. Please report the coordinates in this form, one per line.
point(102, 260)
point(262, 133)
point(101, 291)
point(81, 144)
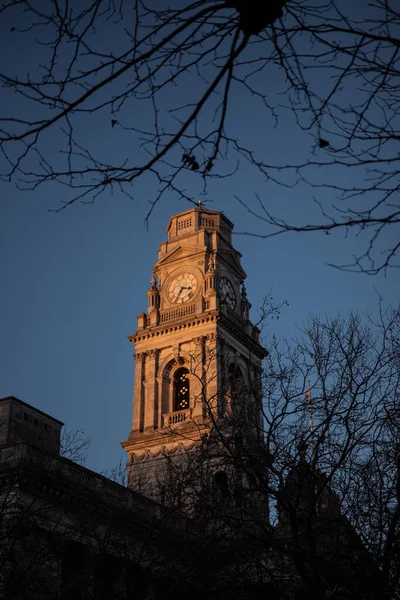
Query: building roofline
point(25, 404)
point(199, 210)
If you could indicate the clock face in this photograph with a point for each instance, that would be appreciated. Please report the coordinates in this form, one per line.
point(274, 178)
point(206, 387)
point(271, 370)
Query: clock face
point(182, 288)
point(227, 292)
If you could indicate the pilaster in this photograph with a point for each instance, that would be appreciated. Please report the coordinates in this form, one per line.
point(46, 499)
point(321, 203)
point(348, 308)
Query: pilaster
point(211, 374)
point(151, 411)
point(198, 383)
point(159, 405)
point(138, 393)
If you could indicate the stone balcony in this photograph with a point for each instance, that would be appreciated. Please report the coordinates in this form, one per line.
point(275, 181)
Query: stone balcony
point(176, 417)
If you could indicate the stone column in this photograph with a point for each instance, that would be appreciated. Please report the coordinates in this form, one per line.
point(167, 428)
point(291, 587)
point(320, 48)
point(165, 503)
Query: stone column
point(210, 374)
point(198, 383)
point(170, 394)
point(151, 390)
point(159, 405)
point(138, 392)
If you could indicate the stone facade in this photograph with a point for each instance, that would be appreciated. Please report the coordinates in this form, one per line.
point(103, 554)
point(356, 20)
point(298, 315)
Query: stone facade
point(197, 327)
point(68, 533)
point(22, 422)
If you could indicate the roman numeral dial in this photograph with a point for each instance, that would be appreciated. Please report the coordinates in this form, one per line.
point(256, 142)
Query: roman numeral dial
point(227, 293)
point(182, 288)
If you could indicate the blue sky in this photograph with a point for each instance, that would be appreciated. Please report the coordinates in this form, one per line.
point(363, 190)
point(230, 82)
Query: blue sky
point(73, 282)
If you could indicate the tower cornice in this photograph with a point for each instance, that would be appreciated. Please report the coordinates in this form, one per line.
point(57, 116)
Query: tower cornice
point(196, 219)
point(216, 317)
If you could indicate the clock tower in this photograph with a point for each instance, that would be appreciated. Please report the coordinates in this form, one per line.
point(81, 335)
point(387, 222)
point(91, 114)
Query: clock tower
point(198, 357)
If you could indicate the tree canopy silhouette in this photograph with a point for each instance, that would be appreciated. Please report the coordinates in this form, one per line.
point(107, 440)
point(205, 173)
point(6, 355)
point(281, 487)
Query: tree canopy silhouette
point(165, 78)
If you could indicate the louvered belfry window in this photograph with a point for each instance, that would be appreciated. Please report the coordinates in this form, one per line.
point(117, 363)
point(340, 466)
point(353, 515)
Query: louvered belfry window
point(182, 389)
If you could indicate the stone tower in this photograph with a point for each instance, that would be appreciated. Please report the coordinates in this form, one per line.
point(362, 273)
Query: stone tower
point(198, 357)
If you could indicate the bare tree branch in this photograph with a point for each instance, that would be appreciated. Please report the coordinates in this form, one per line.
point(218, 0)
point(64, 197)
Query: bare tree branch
point(103, 65)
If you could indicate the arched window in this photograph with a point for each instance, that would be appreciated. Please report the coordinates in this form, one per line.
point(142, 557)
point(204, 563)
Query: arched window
point(181, 389)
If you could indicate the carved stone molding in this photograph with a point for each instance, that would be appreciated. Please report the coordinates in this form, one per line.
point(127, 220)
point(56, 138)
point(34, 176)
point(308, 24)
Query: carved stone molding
point(177, 355)
point(153, 354)
point(140, 336)
point(169, 450)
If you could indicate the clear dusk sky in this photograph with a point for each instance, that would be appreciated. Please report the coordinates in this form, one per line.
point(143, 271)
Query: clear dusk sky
point(73, 282)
